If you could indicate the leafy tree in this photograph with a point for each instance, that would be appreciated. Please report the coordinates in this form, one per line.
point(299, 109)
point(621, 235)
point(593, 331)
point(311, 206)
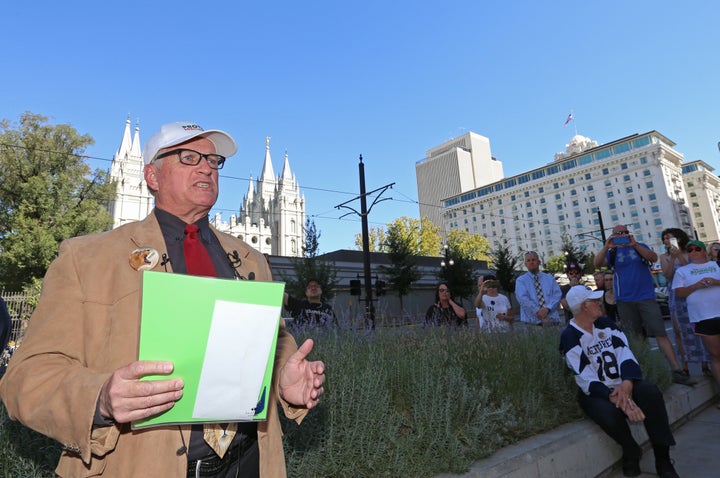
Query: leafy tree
point(463, 247)
point(312, 237)
point(311, 267)
point(424, 234)
point(400, 243)
point(376, 240)
point(556, 264)
point(573, 254)
point(505, 264)
point(47, 194)
point(469, 246)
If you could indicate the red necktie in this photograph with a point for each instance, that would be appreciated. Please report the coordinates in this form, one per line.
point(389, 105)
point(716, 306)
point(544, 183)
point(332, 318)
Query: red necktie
point(198, 263)
point(197, 259)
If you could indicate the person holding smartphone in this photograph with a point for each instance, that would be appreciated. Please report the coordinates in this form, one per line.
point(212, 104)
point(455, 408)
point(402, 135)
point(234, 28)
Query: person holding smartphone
point(634, 290)
point(689, 345)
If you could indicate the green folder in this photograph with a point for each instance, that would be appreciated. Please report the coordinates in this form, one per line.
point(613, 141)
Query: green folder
point(221, 336)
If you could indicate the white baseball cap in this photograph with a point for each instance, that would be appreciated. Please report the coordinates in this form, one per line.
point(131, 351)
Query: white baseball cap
point(178, 132)
point(579, 294)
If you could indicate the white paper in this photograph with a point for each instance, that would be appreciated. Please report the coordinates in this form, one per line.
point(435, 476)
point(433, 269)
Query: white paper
point(237, 352)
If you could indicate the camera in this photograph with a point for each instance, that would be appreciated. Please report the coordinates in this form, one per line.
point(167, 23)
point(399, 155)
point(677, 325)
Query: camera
point(674, 242)
point(621, 240)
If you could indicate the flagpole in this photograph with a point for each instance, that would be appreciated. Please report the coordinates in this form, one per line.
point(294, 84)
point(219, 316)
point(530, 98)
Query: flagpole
point(574, 122)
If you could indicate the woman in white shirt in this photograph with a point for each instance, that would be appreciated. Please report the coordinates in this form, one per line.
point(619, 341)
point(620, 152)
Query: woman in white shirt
point(699, 282)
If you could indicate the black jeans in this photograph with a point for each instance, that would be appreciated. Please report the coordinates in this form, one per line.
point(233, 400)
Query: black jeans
point(614, 422)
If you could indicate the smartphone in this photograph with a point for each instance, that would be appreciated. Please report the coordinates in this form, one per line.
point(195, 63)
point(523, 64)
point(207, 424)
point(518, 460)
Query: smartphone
point(621, 240)
point(674, 243)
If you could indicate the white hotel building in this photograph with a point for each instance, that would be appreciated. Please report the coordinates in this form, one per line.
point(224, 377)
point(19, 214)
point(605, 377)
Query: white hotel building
point(639, 180)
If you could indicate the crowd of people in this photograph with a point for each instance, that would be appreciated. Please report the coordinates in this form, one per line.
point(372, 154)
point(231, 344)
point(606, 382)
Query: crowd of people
point(77, 379)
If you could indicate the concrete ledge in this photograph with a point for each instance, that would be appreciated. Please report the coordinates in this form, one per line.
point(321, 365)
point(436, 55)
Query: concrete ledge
point(582, 449)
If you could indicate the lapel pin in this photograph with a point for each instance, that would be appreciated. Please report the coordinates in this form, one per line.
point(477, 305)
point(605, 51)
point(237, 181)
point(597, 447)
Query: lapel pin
point(144, 258)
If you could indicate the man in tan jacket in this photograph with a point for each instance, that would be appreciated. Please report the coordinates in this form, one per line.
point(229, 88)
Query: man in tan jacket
point(76, 377)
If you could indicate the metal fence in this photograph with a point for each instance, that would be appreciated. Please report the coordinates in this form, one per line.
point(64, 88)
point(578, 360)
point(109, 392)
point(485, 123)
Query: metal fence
point(20, 309)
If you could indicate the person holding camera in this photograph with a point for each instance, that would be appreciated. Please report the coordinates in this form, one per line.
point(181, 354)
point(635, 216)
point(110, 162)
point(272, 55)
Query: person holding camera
point(634, 290)
point(494, 311)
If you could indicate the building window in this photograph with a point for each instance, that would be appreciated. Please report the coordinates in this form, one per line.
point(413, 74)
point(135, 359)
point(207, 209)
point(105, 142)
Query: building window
point(649, 184)
point(610, 194)
point(652, 196)
point(623, 165)
point(587, 176)
point(605, 171)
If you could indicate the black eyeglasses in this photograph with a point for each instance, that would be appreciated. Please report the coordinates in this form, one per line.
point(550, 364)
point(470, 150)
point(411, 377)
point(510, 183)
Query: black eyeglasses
point(190, 157)
point(693, 249)
point(622, 232)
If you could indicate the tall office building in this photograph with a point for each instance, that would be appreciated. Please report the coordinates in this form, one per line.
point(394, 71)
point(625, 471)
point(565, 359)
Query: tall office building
point(638, 180)
point(459, 165)
point(703, 190)
point(271, 218)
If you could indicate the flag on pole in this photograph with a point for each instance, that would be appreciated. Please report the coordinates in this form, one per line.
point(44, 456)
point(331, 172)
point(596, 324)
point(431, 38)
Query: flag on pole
point(569, 119)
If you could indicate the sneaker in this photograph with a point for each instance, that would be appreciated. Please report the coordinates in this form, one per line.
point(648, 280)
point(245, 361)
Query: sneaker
point(665, 469)
point(683, 378)
point(631, 463)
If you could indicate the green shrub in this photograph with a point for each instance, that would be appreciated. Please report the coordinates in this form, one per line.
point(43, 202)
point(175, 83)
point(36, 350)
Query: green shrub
point(404, 402)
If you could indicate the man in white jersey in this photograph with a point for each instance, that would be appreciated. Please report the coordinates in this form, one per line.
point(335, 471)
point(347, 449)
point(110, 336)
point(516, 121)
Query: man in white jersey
point(612, 389)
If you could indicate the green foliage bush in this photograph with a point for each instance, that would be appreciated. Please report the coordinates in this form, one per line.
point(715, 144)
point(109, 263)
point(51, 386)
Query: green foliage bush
point(403, 402)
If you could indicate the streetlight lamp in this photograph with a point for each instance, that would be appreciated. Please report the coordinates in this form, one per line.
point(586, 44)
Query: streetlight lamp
point(447, 261)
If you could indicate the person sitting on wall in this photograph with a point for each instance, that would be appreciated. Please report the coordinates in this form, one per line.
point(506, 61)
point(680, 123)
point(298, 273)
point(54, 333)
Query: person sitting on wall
point(612, 389)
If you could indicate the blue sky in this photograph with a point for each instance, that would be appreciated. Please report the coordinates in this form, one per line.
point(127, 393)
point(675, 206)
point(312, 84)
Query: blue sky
point(328, 81)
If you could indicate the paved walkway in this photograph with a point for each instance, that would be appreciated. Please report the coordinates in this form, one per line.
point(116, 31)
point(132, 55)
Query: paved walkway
point(582, 450)
point(697, 453)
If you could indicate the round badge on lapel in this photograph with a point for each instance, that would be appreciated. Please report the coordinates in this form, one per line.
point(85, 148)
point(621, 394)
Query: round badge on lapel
point(144, 258)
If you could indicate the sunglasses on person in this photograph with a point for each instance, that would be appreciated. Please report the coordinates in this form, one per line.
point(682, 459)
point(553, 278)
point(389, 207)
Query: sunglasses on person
point(693, 249)
point(622, 233)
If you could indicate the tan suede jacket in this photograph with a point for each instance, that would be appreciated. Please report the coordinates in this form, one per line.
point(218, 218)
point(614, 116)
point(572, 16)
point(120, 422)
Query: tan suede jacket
point(85, 327)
